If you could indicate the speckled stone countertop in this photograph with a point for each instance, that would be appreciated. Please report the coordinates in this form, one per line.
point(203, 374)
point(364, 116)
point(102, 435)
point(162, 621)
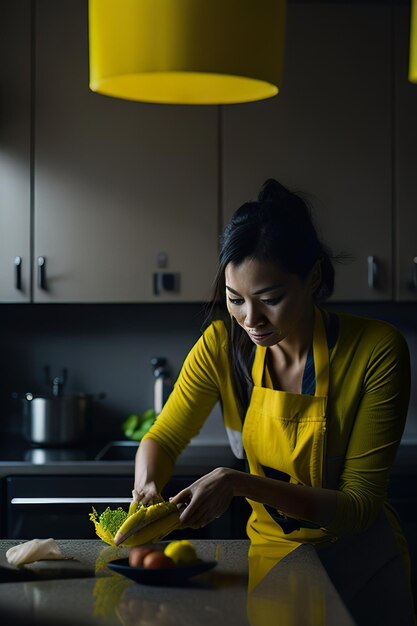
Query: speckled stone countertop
point(296, 591)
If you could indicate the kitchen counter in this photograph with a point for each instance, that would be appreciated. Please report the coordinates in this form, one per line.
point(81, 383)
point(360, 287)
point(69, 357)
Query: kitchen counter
point(297, 590)
point(195, 460)
point(115, 458)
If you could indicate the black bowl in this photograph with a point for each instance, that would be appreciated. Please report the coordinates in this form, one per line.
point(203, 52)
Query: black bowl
point(161, 576)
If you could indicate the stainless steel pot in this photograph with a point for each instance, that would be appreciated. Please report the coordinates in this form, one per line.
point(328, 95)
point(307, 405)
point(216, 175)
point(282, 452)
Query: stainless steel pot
point(56, 420)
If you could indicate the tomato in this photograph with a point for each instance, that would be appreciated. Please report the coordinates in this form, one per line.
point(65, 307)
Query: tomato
point(137, 554)
point(156, 560)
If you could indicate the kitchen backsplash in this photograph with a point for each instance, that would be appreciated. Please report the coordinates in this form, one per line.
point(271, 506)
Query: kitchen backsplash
point(108, 348)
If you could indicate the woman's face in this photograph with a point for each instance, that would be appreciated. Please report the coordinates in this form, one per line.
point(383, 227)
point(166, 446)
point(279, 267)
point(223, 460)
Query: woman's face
point(268, 303)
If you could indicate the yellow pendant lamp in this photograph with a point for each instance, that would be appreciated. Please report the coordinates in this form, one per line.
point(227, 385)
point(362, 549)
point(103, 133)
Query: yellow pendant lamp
point(187, 51)
point(412, 71)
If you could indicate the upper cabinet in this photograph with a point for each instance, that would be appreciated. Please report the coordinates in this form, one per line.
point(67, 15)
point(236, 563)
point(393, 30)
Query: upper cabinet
point(328, 136)
point(106, 200)
point(405, 109)
point(15, 150)
point(125, 193)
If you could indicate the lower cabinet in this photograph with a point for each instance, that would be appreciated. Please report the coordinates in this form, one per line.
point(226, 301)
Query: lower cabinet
point(59, 507)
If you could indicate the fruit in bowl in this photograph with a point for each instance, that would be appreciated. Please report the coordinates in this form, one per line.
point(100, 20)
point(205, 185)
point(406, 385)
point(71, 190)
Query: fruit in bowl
point(176, 553)
point(182, 552)
point(151, 564)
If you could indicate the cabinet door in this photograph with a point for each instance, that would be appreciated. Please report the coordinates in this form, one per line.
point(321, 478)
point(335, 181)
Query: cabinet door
point(15, 151)
point(327, 135)
point(405, 162)
point(122, 189)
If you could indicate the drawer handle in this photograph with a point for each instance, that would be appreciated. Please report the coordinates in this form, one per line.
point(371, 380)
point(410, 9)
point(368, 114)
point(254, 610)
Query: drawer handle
point(42, 272)
point(92, 500)
point(372, 272)
point(18, 272)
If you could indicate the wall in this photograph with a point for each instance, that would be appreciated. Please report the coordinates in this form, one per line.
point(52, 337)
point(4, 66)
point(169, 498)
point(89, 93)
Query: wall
point(108, 348)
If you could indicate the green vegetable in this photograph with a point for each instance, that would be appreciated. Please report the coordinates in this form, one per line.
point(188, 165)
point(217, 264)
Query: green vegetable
point(144, 427)
point(109, 521)
point(130, 425)
point(112, 520)
point(136, 426)
point(148, 414)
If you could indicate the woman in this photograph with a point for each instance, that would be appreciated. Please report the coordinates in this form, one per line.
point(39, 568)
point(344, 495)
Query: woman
point(315, 402)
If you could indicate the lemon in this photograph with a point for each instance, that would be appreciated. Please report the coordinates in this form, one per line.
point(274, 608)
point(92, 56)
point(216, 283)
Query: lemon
point(182, 552)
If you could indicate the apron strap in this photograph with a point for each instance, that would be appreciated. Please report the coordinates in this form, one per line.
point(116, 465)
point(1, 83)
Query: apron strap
point(258, 365)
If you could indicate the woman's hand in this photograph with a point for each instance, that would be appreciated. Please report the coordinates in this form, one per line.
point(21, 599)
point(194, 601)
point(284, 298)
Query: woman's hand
point(153, 467)
point(205, 499)
point(146, 493)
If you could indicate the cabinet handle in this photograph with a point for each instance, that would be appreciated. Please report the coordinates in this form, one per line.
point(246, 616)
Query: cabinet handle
point(18, 272)
point(372, 272)
point(42, 272)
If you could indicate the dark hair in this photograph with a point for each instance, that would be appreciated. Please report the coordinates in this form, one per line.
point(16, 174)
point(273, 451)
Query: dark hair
point(277, 228)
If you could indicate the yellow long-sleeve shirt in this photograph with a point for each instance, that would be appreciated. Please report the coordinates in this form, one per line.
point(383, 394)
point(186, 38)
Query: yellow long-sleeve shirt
point(367, 406)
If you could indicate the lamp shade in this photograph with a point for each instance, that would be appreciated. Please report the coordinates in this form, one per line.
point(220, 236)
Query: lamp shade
point(412, 71)
point(187, 51)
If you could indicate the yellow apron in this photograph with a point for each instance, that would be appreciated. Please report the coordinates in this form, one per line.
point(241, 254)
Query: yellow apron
point(284, 437)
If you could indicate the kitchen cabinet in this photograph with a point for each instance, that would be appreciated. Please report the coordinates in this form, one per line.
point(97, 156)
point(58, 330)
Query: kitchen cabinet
point(106, 200)
point(15, 150)
point(406, 162)
point(123, 190)
point(328, 136)
point(124, 194)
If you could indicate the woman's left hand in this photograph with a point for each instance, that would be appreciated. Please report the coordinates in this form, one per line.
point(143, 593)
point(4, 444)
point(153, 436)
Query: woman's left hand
point(205, 499)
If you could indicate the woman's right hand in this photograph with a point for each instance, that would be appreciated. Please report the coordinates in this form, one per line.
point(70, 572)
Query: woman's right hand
point(153, 468)
point(146, 493)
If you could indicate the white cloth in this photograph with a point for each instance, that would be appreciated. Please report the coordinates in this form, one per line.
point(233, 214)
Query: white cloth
point(34, 550)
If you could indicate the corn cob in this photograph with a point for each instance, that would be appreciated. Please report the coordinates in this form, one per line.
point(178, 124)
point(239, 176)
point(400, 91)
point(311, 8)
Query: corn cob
point(148, 525)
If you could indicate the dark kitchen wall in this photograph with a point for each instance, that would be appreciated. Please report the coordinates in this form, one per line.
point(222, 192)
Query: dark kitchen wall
point(108, 348)
point(105, 348)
